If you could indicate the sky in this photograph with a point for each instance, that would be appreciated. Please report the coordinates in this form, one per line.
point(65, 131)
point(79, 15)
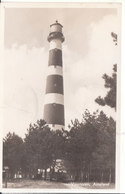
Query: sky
point(88, 53)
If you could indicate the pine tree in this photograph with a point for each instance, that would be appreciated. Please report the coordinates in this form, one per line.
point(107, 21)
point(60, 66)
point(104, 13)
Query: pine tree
point(110, 83)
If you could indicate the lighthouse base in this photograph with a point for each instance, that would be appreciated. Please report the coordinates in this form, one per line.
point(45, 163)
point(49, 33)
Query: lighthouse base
point(60, 172)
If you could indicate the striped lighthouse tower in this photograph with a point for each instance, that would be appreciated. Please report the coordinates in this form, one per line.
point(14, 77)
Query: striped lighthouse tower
point(54, 94)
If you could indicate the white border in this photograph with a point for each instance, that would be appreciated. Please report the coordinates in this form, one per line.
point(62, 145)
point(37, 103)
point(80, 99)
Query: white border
point(121, 136)
point(1, 85)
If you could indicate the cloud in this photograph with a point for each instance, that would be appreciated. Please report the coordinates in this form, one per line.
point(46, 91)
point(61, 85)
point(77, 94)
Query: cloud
point(24, 86)
point(25, 77)
point(83, 80)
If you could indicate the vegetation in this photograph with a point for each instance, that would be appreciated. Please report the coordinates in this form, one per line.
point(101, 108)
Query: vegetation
point(88, 147)
point(110, 82)
point(12, 152)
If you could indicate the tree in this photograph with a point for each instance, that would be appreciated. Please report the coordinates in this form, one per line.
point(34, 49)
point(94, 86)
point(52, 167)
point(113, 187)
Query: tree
point(110, 82)
point(114, 36)
point(12, 153)
point(58, 150)
point(81, 144)
point(104, 154)
point(58, 144)
point(38, 146)
point(91, 147)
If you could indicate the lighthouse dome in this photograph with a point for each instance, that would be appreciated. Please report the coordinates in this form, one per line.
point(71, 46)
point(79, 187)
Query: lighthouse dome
point(56, 27)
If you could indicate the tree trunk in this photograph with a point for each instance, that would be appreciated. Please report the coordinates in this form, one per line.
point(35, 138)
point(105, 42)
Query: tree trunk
point(102, 177)
point(82, 174)
point(77, 175)
point(110, 175)
point(45, 174)
point(88, 176)
point(90, 172)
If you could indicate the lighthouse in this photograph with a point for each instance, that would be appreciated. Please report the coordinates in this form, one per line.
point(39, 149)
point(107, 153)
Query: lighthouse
point(54, 94)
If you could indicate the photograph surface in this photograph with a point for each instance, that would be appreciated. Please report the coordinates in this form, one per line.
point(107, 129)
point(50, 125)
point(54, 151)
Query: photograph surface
point(60, 84)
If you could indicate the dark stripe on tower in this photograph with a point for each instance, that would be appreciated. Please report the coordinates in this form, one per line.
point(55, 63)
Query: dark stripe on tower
point(55, 57)
point(54, 114)
point(54, 84)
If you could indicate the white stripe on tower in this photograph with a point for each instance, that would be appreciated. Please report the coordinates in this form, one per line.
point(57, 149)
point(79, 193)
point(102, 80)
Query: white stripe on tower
point(55, 70)
point(55, 43)
point(54, 98)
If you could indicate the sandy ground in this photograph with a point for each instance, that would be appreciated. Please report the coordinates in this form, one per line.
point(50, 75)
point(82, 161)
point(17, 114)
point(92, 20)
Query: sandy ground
point(40, 184)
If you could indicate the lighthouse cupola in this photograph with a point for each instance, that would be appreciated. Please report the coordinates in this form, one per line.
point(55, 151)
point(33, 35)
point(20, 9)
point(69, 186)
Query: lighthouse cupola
point(56, 32)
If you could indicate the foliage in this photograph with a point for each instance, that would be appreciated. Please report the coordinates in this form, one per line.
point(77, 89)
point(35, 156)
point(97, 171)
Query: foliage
point(104, 155)
point(38, 146)
point(87, 148)
point(12, 152)
point(110, 82)
point(42, 146)
point(92, 144)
